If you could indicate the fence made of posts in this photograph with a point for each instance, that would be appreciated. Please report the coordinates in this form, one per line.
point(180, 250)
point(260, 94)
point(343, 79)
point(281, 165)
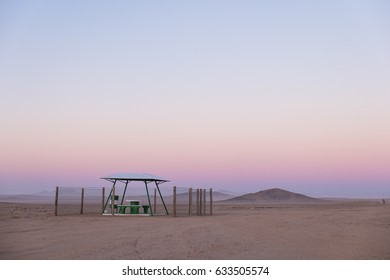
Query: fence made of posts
point(192, 202)
point(179, 201)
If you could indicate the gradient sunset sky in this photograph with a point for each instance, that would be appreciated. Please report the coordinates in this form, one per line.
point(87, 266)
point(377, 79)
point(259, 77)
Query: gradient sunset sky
point(235, 95)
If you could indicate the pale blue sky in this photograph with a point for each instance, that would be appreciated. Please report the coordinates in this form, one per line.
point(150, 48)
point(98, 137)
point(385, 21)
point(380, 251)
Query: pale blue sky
point(280, 86)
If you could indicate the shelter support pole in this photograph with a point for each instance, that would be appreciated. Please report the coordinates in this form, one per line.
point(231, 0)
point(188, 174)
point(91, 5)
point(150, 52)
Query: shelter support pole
point(103, 194)
point(189, 202)
point(113, 199)
point(147, 192)
point(109, 196)
point(211, 201)
point(155, 201)
point(82, 201)
point(174, 201)
point(166, 210)
point(56, 203)
point(124, 192)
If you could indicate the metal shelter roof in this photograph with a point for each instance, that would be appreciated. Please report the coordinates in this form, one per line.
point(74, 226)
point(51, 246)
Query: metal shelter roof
point(144, 177)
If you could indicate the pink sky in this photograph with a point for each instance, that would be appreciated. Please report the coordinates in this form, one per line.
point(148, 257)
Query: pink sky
point(244, 97)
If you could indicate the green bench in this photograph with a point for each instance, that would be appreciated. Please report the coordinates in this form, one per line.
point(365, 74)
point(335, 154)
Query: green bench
point(134, 209)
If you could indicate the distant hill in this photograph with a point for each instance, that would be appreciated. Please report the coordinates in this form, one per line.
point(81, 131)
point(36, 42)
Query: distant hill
point(73, 195)
point(20, 198)
point(274, 195)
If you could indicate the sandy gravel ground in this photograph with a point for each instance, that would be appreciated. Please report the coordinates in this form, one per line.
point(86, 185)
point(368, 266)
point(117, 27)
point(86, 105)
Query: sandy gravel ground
point(351, 230)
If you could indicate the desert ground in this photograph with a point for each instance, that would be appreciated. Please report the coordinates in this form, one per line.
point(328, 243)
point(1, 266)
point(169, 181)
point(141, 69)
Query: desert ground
point(339, 230)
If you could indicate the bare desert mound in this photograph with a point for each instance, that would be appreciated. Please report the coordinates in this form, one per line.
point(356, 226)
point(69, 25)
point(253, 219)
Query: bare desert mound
point(272, 224)
point(274, 195)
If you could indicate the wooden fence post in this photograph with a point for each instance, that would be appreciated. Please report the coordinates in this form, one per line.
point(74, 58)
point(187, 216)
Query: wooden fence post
point(197, 202)
point(200, 201)
point(56, 203)
point(190, 202)
point(204, 202)
point(82, 201)
point(211, 201)
point(174, 201)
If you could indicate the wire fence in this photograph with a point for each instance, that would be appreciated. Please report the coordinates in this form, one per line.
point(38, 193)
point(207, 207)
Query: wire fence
point(175, 201)
point(70, 201)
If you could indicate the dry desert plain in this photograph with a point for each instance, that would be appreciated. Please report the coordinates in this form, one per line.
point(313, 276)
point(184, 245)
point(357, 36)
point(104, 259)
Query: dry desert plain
point(339, 230)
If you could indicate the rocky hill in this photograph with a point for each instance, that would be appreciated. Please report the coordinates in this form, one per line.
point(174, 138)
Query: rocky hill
point(274, 195)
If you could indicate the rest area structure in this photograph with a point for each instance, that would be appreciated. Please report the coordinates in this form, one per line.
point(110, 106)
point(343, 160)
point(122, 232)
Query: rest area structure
point(112, 205)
